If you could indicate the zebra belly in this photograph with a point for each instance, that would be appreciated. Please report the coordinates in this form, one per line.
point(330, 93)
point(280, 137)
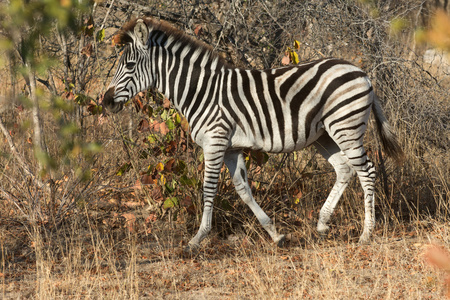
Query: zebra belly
point(273, 144)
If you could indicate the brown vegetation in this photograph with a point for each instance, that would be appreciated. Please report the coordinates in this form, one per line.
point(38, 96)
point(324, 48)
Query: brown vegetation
point(100, 206)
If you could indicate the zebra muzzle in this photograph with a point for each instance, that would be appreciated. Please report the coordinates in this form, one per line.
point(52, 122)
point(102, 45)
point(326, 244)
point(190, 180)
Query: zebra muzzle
point(109, 103)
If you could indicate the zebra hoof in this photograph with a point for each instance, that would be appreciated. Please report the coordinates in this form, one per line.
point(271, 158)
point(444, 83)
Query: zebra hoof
point(323, 230)
point(190, 250)
point(364, 239)
point(282, 241)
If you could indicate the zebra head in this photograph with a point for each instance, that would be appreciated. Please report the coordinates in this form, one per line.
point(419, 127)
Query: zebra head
point(132, 75)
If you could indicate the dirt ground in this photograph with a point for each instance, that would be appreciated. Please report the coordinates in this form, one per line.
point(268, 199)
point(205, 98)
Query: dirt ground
point(93, 266)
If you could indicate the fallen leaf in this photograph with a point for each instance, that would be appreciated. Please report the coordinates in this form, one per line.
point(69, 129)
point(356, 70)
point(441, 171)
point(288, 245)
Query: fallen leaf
point(163, 129)
point(137, 103)
point(285, 60)
point(166, 103)
point(132, 204)
point(146, 180)
point(198, 30)
point(184, 124)
point(87, 50)
point(130, 221)
point(151, 218)
point(143, 126)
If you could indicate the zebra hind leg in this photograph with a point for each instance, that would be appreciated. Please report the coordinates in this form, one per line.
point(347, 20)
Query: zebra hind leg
point(344, 172)
point(234, 160)
point(354, 151)
point(365, 170)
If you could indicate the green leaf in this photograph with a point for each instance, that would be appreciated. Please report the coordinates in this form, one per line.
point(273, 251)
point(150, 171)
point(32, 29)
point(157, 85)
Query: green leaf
point(95, 109)
point(170, 124)
point(152, 138)
point(170, 202)
point(170, 187)
point(184, 180)
point(150, 111)
point(123, 169)
point(177, 119)
point(101, 35)
point(82, 99)
point(165, 114)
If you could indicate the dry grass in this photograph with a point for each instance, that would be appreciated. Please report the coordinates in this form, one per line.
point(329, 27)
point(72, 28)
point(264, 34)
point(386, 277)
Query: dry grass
point(86, 262)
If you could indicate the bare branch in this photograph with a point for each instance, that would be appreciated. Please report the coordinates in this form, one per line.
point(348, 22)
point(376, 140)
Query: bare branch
point(26, 169)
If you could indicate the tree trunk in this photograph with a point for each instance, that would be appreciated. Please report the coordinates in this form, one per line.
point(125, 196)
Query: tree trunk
point(38, 141)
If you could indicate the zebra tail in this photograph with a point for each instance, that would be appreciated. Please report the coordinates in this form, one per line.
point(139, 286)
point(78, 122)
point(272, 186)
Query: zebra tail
point(388, 137)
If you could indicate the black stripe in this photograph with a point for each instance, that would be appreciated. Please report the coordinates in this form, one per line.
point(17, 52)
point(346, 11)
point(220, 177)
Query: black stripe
point(220, 125)
point(226, 101)
point(215, 81)
point(360, 165)
point(276, 101)
point(185, 64)
point(173, 74)
point(201, 94)
point(195, 75)
point(350, 114)
point(238, 101)
point(349, 128)
point(249, 97)
point(346, 102)
point(329, 90)
point(288, 83)
point(256, 75)
point(280, 71)
point(212, 119)
point(357, 157)
point(156, 34)
point(298, 99)
point(352, 140)
point(217, 145)
point(171, 59)
point(166, 59)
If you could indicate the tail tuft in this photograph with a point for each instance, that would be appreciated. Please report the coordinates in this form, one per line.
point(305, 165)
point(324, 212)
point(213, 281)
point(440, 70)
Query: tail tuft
point(388, 137)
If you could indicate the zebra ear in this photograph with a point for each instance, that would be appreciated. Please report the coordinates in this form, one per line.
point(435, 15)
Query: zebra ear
point(141, 31)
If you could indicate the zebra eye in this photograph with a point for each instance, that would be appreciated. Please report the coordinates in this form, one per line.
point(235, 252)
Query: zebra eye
point(130, 65)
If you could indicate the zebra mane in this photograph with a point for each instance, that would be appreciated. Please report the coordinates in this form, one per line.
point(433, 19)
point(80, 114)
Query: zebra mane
point(124, 35)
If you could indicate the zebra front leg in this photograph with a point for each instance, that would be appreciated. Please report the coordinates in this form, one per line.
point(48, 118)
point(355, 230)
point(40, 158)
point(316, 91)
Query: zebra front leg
point(234, 160)
point(213, 164)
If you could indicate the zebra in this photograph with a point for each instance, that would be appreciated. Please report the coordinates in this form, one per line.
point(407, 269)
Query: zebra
point(325, 103)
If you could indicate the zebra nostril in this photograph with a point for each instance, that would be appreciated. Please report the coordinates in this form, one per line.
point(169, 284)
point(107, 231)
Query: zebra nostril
point(109, 103)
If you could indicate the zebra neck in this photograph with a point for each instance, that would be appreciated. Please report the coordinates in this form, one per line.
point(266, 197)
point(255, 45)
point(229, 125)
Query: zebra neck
point(187, 76)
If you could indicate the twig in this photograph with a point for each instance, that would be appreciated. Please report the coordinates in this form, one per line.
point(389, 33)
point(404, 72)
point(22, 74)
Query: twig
point(285, 30)
point(17, 156)
point(7, 195)
point(276, 174)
